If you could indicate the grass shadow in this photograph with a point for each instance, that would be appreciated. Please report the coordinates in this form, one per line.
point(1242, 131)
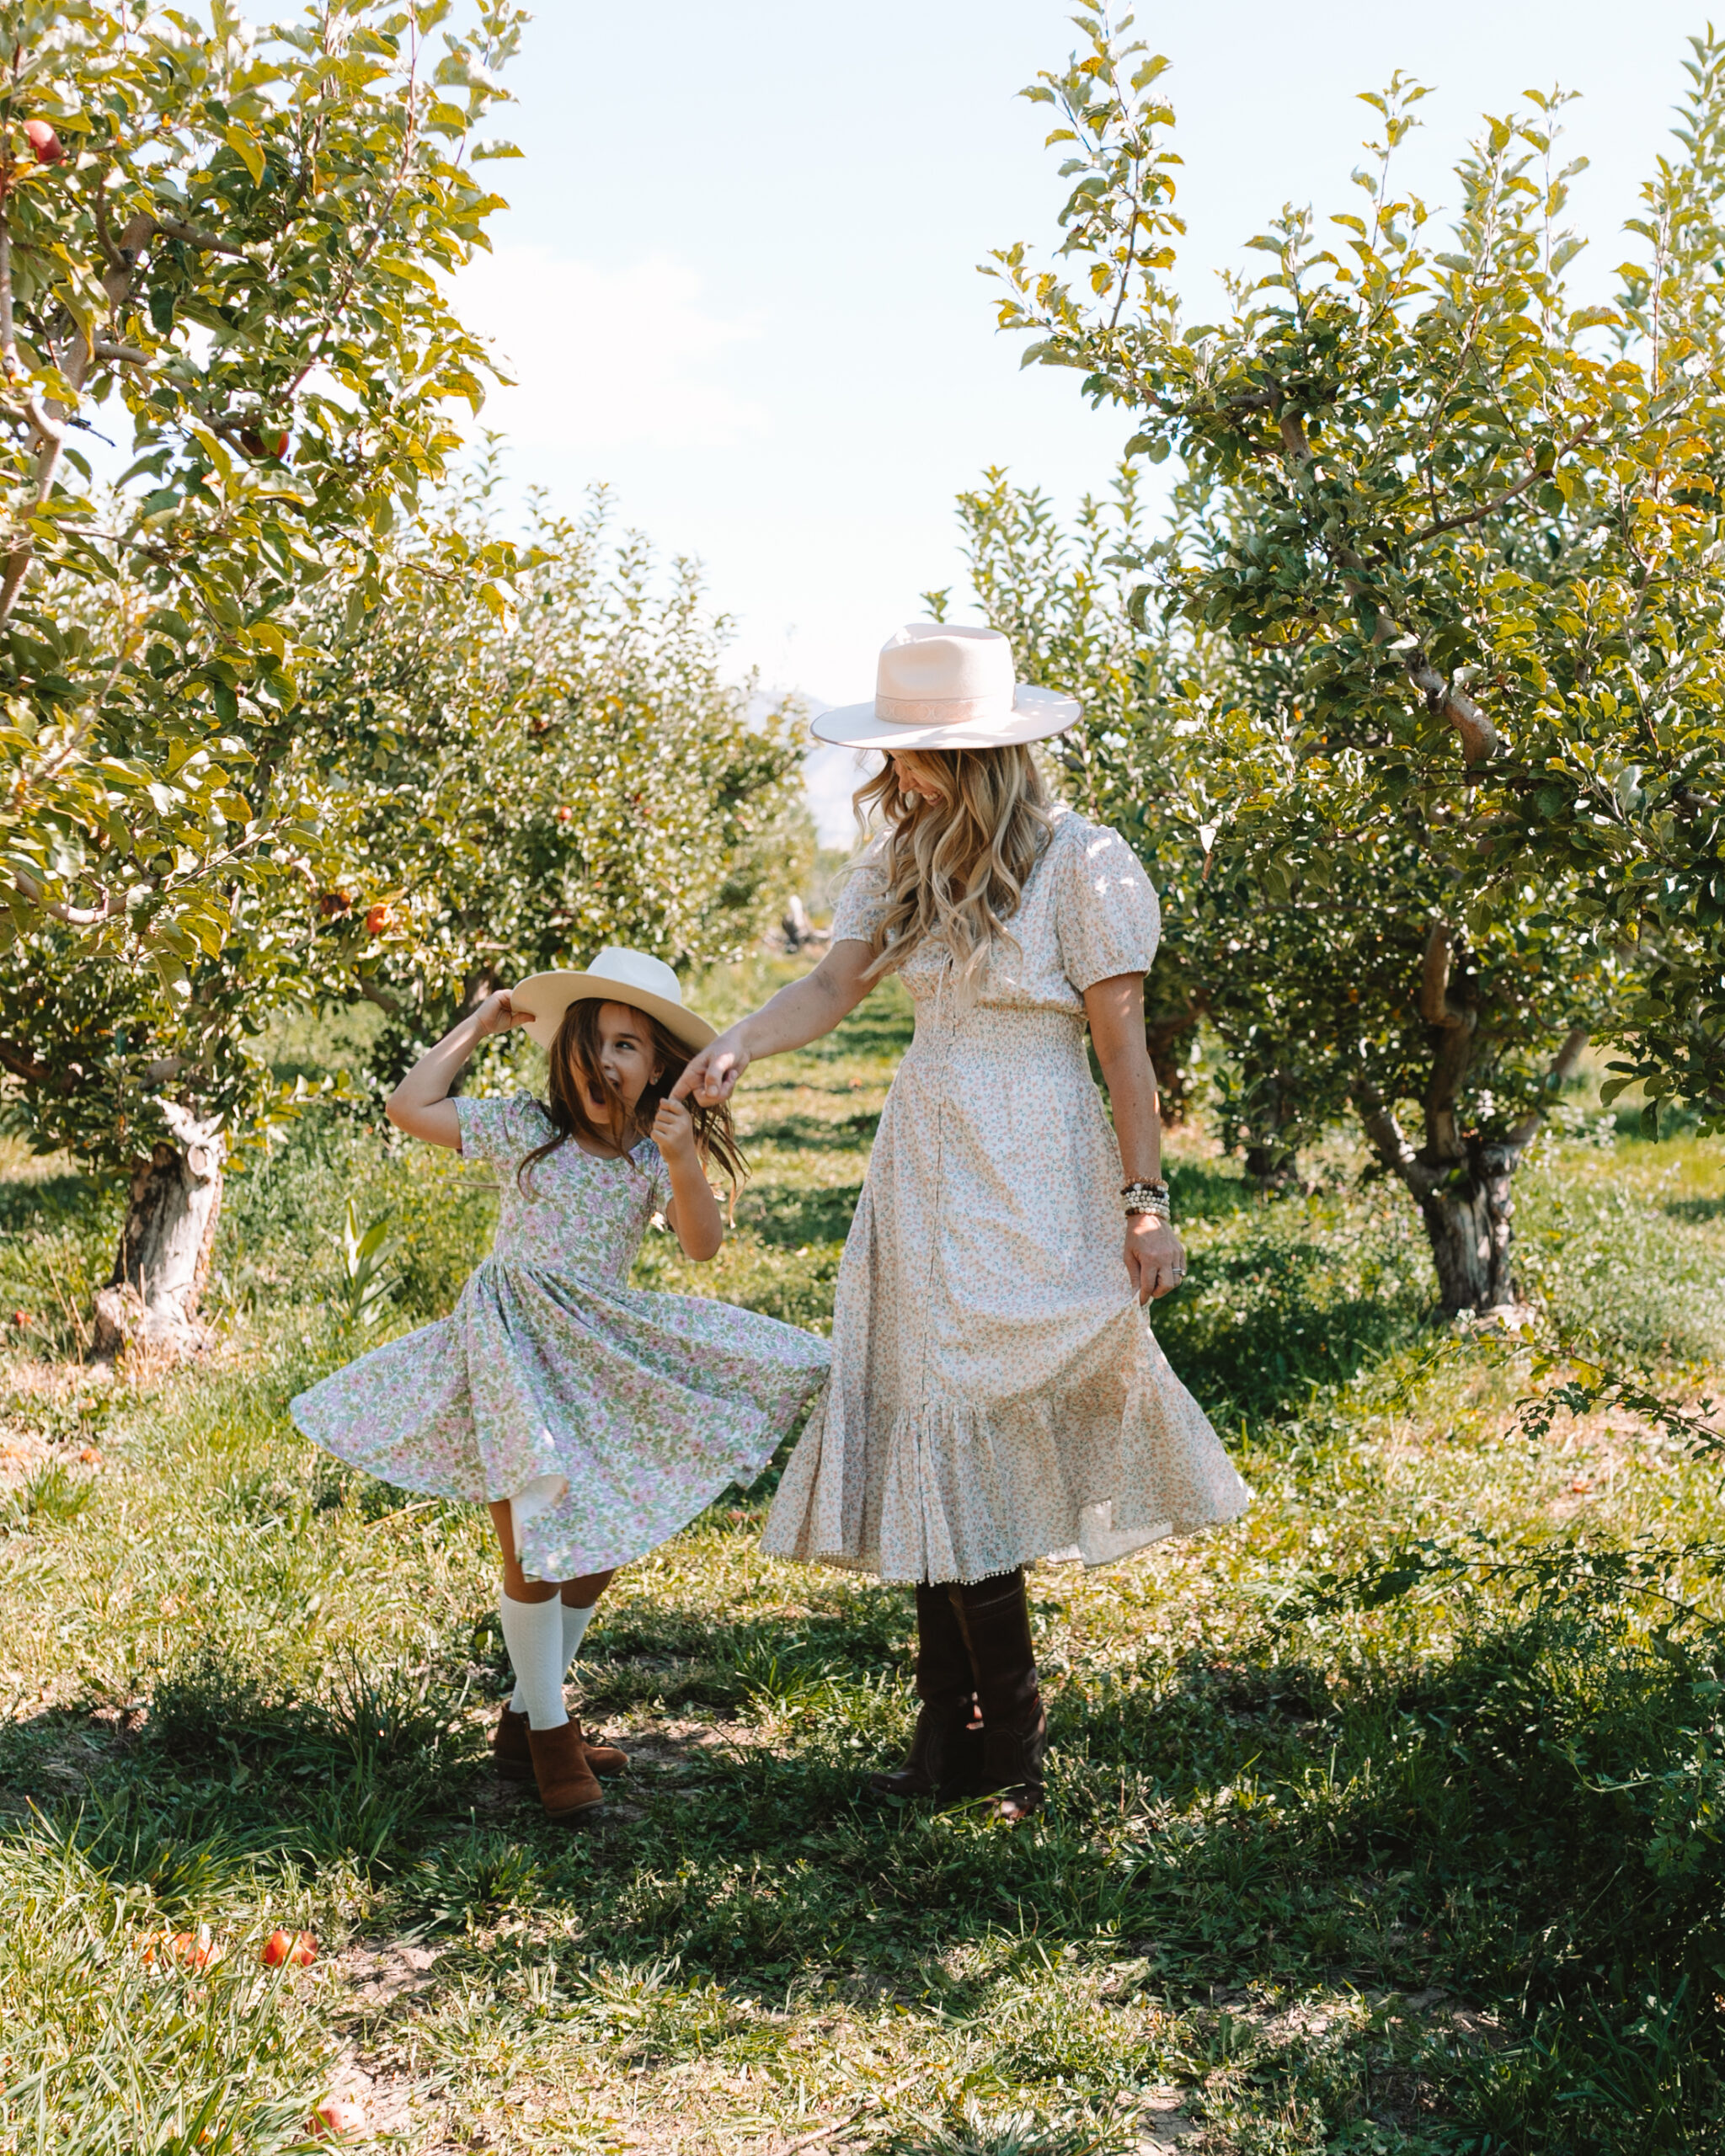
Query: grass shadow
point(1259, 1329)
point(1694, 1212)
point(56, 1201)
point(789, 1218)
point(810, 1134)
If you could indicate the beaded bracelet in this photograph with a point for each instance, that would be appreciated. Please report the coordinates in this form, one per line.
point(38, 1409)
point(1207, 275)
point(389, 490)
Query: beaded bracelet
point(1143, 1196)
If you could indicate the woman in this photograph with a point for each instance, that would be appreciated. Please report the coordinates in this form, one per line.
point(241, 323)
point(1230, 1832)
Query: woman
point(996, 1394)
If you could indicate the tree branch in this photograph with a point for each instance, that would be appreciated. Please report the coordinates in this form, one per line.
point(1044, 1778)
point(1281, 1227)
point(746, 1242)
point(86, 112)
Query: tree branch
point(1435, 1006)
point(1564, 1068)
point(31, 892)
point(380, 997)
point(23, 1064)
point(1384, 1136)
point(1490, 509)
point(209, 242)
point(1479, 737)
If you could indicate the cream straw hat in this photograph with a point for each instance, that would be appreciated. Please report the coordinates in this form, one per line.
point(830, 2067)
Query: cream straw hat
point(615, 976)
point(940, 687)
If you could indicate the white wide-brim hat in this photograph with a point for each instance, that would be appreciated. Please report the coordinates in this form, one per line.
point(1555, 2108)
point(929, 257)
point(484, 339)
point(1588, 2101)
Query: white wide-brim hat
point(940, 687)
point(615, 976)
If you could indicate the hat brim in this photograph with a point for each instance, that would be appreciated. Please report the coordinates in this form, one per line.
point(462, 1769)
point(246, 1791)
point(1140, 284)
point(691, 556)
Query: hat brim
point(1036, 714)
point(548, 996)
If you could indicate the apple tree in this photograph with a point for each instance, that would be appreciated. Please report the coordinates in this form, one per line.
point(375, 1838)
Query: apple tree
point(229, 245)
point(1304, 922)
point(1474, 523)
point(520, 792)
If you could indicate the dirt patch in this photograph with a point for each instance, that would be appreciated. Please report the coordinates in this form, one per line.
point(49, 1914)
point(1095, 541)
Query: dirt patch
point(380, 1975)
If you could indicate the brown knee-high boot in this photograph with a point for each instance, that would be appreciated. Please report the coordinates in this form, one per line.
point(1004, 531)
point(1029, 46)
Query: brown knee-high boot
point(945, 1758)
point(1014, 1732)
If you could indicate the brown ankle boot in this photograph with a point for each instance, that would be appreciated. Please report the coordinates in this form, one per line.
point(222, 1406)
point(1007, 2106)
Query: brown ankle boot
point(945, 1758)
point(1014, 1730)
point(567, 1787)
point(513, 1761)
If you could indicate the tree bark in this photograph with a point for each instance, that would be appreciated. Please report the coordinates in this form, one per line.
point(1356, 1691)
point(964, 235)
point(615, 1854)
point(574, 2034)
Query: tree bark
point(1463, 1184)
point(152, 1300)
point(1467, 1222)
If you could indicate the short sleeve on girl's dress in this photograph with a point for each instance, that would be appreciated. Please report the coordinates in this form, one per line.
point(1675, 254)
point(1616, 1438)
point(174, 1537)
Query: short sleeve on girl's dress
point(647, 1158)
point(502, 1132)
point(1106, 917)
point(862, 904)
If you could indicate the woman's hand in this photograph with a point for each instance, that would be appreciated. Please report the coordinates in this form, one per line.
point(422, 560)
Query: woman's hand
point(1155, 1257)
point(674, 1133)
point(712, 1073)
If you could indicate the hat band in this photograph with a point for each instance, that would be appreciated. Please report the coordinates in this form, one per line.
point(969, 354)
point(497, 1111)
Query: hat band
point(941, 710)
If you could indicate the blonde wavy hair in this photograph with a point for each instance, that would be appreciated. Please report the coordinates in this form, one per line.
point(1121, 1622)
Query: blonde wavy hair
point(960, 846)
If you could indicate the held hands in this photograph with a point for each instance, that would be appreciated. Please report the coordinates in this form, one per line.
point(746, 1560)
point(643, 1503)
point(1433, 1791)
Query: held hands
point(674, 1133)
point(712, 1075)
point(496, 1014)
point(1155, 1257)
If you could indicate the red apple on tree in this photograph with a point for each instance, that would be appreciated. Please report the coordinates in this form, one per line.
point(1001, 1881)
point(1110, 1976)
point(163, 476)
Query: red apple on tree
point(378, 921)
point(42, 139)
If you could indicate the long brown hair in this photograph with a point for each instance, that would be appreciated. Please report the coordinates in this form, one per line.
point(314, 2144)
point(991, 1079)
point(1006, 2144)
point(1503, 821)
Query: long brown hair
point(575, 1065)
point(957, 865)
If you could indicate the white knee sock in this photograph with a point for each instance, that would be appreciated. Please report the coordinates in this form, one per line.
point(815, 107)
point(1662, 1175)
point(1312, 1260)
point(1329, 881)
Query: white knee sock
point(532, 1631)
point(575, 1624)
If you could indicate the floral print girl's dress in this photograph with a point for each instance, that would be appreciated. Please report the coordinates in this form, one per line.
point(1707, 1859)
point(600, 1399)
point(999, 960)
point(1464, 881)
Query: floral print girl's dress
point(612, 1416)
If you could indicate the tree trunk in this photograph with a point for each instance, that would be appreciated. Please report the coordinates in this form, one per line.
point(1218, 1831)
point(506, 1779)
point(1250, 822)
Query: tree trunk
point(1462, 1184)
point(1266, 1123)
point(1270, 1168)
point(1467, 1219)
point(152, 1300)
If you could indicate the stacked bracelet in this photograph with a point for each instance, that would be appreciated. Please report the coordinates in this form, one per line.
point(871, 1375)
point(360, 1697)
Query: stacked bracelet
point(1147, 1197)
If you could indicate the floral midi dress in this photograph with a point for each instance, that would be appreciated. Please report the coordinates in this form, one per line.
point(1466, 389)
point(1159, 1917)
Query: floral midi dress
point(997, 1394)
point(612, 1416)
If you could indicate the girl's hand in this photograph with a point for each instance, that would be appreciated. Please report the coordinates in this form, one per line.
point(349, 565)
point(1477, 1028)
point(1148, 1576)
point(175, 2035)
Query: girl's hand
point(673, 1132)
point(496, 1014)
point(712, 1075)
point(1155, 1257)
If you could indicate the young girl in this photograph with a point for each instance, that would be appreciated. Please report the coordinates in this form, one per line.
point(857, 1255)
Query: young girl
point(594, 1419)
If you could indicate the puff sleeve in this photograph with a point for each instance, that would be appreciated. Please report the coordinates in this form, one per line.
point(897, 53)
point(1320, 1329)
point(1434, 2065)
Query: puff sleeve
point(647, 1158)
point(861, 903)
point(1106, 919)
point(502, 1132)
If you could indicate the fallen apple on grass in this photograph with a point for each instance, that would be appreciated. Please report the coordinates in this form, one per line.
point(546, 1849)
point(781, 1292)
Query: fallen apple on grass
point(298, 1947)
point(336, 2114)
point(193, 1949)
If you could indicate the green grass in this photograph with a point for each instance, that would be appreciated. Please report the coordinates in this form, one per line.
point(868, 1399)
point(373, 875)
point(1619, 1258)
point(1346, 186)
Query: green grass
point(1336, 1860)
